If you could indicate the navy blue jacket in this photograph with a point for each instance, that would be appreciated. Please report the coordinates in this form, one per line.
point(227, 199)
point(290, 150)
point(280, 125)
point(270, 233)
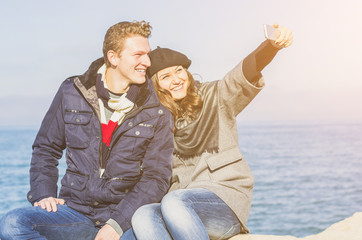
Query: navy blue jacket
point(139, 164)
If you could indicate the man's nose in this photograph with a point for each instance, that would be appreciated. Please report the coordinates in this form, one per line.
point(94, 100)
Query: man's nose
point(146, 60)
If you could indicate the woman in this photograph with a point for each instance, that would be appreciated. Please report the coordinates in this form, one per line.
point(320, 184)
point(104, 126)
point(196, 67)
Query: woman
point(211, 186)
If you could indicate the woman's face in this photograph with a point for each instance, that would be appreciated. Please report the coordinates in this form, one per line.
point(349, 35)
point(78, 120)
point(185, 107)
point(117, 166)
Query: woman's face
point(175, 80)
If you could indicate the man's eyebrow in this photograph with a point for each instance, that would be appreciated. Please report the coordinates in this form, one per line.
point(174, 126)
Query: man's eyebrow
point(141, 51)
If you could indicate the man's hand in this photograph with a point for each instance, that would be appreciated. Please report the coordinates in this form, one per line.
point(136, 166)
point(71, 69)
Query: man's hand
point(50, 203)
point(285, 38)
point(107, 232)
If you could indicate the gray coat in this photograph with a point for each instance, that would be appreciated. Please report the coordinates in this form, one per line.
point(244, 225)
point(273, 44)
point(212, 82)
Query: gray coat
point(225, 172)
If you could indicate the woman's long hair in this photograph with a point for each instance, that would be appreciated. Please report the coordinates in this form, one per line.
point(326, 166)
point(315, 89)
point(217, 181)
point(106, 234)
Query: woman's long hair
point(188, 107)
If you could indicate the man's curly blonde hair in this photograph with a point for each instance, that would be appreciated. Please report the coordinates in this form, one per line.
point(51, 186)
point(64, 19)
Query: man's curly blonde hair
point(118, 33)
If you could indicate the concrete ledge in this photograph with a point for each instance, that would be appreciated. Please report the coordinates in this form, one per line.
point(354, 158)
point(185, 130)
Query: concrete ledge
point(348, 229)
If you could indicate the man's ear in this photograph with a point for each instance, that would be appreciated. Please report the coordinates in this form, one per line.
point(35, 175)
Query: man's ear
point(113, 57)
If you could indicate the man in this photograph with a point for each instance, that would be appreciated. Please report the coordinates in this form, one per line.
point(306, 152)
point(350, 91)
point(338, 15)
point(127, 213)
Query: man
point(118, 141)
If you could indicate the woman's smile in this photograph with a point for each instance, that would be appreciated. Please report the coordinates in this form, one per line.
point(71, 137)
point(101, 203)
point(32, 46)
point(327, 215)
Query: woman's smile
point(175, 80)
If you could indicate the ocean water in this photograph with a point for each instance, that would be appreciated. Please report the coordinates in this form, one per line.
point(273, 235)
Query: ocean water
point(307, 176)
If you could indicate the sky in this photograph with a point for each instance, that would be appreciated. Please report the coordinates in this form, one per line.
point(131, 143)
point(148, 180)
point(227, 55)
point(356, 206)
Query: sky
point(318, 78)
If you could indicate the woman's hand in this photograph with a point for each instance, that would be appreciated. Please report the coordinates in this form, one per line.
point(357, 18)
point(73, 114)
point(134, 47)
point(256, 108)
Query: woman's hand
point(285, 38)
point(50, 203)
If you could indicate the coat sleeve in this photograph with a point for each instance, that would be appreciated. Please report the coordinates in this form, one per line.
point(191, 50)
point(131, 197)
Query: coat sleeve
point(238, 88)
point(157, 170)
point(236, 92)
point(47, 150)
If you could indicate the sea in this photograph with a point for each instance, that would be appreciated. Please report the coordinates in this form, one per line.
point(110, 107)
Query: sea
point(307, 175)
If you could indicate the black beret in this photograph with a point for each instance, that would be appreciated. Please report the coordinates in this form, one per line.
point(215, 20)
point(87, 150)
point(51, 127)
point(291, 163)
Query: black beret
point(163, 58)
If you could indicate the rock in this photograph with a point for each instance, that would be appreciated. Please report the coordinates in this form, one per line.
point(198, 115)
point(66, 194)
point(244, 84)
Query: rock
point(262, 237)
point(348, 229)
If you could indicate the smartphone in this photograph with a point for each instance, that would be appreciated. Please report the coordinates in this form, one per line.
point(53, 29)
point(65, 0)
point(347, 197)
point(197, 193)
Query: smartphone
point(270, 32)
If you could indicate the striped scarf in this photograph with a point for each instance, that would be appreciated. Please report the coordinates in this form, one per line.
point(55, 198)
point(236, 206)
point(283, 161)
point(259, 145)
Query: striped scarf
point(118, 105)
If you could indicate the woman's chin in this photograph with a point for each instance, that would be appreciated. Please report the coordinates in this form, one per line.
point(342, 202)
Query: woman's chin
point(179, 96)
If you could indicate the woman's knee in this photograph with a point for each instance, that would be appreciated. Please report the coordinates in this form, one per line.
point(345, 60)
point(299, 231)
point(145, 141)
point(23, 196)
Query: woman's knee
point(176, 205)
point(145, 216)
point(179, 196)
point(147, 223)
point(175, 200)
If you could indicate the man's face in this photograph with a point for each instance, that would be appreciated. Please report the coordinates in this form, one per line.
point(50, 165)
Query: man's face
point(133, 60)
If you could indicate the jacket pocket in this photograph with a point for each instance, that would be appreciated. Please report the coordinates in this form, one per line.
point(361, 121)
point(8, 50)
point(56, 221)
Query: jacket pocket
point(223, 159)
point(77, 128)
point(73, 186)
point(139, 138)
point(74, 180)
point(229, 166)
point(119, 187)
point(140, 131)
point(123, 185)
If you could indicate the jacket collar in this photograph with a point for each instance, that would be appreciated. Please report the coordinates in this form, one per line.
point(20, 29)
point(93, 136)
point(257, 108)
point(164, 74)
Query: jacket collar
point(146, 96)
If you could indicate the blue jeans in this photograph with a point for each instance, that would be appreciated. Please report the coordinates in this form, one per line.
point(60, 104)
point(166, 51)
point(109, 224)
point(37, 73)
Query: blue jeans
point(191, 214)
point(37, 223)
